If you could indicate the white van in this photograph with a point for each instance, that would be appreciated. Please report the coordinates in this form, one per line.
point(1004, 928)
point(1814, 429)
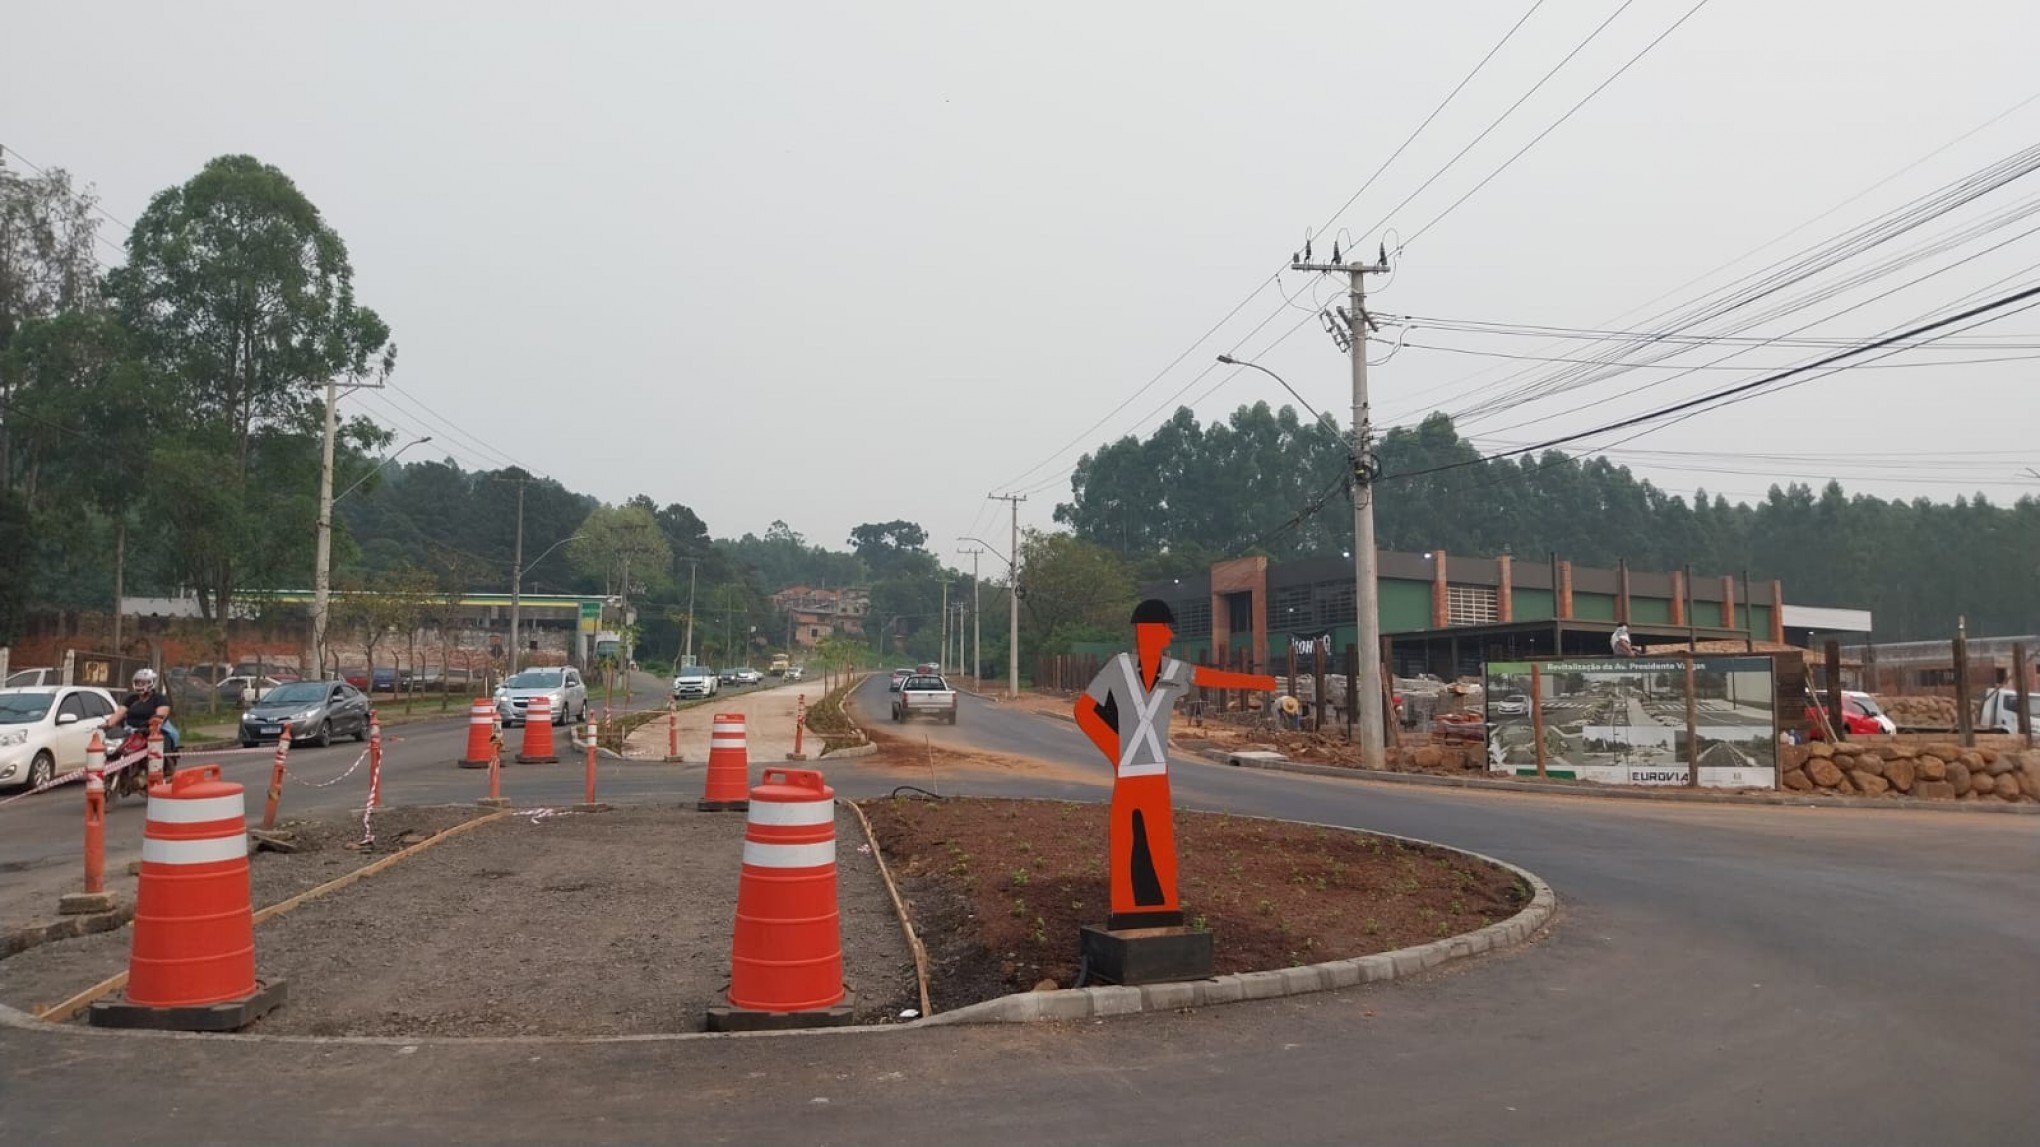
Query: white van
point(2001, 710)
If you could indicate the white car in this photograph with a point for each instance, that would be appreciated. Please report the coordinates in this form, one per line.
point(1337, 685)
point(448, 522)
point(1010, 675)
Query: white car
point(244, 690)
point(44, 730)
point(695, 681)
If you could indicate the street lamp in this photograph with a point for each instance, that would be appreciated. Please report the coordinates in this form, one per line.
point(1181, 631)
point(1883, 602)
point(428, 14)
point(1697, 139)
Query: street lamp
point(377, 468)
point(517, 588)
point(1367, 690)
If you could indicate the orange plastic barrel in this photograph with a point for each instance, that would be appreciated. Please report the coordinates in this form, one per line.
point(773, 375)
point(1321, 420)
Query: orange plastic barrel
point(481, 728)
point(538, 734)
point(727, 785)
point(194, 931)
point(787, 952)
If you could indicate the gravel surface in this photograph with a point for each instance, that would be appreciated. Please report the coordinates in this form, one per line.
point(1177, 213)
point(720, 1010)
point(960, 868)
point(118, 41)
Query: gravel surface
point(615, 923)
point(52, 973)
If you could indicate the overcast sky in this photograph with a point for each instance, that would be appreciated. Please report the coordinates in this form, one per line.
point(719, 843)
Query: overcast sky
point(845, 263)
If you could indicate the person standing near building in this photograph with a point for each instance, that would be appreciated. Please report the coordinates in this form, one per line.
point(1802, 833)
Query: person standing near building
point(1125, 712)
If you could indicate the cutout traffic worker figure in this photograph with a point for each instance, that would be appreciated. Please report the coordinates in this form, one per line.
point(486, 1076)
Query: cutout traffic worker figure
point(1125, 712)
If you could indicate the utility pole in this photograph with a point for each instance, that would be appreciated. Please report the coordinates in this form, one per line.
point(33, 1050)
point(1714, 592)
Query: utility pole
point(322, 570)
point(1013, 597)
point(516, 571)
point(693, 572)
point(942, 658)
point(1366, 600)
point(977, 620)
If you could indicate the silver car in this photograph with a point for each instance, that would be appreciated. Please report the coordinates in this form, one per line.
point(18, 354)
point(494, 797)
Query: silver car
point(318, 711)
point(562, 687)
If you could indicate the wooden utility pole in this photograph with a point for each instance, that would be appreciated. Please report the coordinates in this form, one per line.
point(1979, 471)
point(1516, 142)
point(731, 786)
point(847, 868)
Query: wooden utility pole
point(1537, 715)
point(2022, 694)
point(1965, 721)
point(1838, 713)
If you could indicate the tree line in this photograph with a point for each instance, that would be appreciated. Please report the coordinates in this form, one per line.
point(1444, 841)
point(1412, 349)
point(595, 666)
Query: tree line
point(1265, 481)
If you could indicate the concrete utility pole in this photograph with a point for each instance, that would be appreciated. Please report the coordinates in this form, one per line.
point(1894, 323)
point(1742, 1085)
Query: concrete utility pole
point(1013, 596)
point(1366, 598)
point(942, 658)
point(693, 572)
point(516, 572)
point(322, 569)
point(977, 620)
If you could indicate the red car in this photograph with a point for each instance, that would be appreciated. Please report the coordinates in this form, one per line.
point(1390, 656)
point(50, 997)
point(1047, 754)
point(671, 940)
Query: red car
point(1860, 716)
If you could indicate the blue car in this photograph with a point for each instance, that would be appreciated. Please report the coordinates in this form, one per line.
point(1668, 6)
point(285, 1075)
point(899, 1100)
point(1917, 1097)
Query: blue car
point(383, 680)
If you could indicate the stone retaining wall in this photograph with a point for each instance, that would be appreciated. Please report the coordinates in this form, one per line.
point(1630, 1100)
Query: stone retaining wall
point(1930, 771)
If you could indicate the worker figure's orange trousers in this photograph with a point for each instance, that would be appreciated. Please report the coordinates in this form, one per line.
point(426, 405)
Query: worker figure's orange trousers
point(1143, 840)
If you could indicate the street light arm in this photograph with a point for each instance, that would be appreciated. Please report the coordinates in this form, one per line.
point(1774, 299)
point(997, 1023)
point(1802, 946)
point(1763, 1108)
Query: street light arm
point(1231, 361)
point(533, 563)
point(994, 549)
point(377, 468)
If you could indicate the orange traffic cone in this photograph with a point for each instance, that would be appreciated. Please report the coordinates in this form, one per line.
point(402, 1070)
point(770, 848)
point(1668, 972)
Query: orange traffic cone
point(481, 724)
point(727, 786)
point(786, 957)
point(538, 734)
point(192, 964)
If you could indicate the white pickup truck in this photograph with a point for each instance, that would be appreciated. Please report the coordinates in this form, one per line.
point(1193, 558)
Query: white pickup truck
point(924, 695)
point(2001, 710)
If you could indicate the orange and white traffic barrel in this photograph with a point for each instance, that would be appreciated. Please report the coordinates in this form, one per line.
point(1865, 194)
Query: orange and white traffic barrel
point(191, 966)
point(786, 954)
point(538, 734)
point(727, 785)
point(481, 731)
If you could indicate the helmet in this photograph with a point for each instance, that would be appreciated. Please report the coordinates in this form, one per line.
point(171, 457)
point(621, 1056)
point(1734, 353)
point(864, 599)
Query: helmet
point(145, 679)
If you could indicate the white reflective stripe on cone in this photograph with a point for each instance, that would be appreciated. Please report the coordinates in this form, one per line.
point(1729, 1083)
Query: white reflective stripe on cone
point(781, 813)
point(169, 810)
point(720, 727)
point(207, 851)
point(759, 855)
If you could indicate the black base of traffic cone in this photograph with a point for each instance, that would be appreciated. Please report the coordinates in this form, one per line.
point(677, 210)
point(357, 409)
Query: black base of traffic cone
point(730, 1018)
point(722, 806)
point(232, 1015)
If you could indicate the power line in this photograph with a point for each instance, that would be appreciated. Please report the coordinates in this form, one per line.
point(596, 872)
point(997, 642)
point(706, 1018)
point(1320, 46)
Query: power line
point(1731, 394)
point(1555, 124)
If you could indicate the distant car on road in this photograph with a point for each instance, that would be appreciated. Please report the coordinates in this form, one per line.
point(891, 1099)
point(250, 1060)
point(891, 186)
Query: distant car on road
point(318, 711)
point(899, 677)
point(748, 676)
point(795, 673)
point(561, 686)
point(695, 681)
point(45, 728)
point(925, 695)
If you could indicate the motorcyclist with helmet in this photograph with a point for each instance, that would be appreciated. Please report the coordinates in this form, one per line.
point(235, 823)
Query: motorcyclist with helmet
point(148, 701)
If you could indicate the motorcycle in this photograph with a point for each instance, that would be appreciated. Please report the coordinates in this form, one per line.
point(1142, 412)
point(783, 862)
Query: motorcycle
point(134, 779)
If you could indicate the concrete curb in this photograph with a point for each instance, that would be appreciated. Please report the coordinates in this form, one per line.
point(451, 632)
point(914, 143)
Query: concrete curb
point(17, 940)
point(868, 748)
point(1674, 796)
point(1117, 1000)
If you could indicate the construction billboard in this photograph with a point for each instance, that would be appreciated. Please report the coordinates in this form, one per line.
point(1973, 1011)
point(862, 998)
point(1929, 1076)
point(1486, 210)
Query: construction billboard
point(1624, 720)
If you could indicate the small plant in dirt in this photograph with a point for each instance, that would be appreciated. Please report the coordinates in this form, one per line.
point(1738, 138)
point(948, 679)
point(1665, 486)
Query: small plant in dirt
point(1019, 906)
point(1018, 877)
point(1265, 907)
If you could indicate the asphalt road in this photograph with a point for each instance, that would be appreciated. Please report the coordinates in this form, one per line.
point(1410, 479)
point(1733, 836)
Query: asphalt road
point(1717, 975)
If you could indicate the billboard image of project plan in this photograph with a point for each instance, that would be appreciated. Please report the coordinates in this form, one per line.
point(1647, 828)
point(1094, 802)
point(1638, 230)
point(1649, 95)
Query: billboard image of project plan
point(1622, 720)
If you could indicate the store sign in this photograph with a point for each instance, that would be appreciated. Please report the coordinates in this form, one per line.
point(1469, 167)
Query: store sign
point(591, 616)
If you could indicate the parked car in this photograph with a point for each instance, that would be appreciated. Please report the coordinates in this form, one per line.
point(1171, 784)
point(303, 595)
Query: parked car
point(383, 679)
point(899, 678)
point(562, 686)
point(30, 678)
point(263, 669)
point(317, 711)
point(695, 681)
point(1860, 714)
point(746, 675)
point(355, 677)
point(925, 695)
point(44, 730)
point(245, 690)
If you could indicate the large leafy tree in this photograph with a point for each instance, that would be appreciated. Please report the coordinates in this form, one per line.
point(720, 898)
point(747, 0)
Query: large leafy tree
point(622, 546)
point(47, 229)
point(242, 297)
